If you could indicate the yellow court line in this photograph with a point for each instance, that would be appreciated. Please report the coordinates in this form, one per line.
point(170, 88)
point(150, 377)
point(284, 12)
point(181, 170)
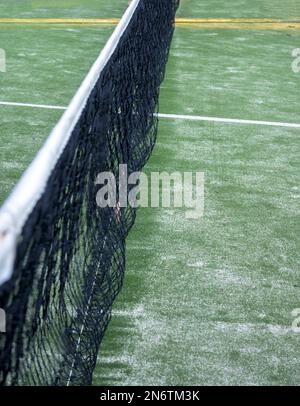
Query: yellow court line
point(6, 26)
point(58, 20)
point(259, 26)
point(235, 20)
point(264, 26)
point(230, 23)
point(116, 20)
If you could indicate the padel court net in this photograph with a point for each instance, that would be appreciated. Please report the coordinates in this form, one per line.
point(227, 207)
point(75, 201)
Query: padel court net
point(62, 257)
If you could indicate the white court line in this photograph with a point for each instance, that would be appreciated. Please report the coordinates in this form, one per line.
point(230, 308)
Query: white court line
point(37, 106)
point(176, 116)
point(228, 120)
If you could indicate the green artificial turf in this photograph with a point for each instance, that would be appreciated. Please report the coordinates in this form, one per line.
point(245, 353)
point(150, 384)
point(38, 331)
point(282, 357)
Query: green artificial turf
point(205, 301)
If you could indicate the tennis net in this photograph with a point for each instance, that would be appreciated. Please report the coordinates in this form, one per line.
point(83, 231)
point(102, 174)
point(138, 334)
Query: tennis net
point(62, 258)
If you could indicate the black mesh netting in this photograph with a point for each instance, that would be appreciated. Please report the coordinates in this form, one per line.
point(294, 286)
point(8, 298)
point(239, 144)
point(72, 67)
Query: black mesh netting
point(70, 257)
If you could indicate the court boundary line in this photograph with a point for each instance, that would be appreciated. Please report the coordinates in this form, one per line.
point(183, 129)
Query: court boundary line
point(38, 106)
point(228, 120)
point(211, 23)
point(182, 117)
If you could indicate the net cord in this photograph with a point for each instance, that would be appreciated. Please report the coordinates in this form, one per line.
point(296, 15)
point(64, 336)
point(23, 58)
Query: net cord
point(17, 208)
